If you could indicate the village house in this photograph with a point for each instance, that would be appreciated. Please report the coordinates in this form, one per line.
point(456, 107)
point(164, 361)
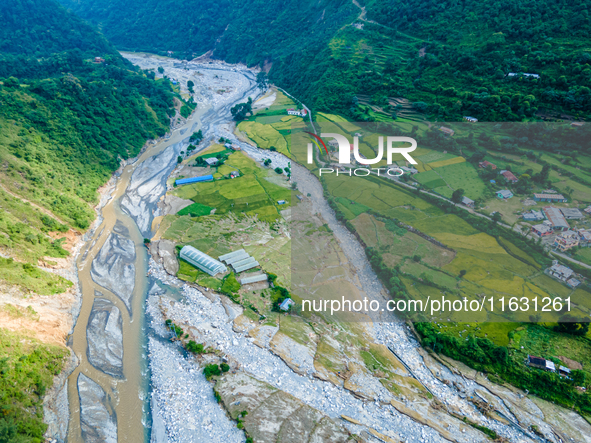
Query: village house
point(534, 216)
point(98, 60)
point(584, 238)
point(466, 201)
point(504, 194)
point(559, 271)
point(571, 213)
point(587, 210)
point(509, 176)
point(573, 283)
point(486, 164)
point(211, 161)
point(286, 304)
point(541, 230)
point(299, 113)
point(471, 119)
point(408, 169)
point(549, 198)
point(566, 240)
point(555, 217)
point(447, 131)
point(541, 363)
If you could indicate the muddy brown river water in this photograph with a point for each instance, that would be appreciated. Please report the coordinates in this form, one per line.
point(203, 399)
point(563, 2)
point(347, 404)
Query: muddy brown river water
point(125, 396)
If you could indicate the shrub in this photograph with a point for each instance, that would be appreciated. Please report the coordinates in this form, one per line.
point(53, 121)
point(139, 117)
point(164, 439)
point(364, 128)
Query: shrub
point(211, 370)
point(195, 348)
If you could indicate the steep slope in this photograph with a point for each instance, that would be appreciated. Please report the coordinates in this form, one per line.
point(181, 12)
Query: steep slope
point(449, 58)
point(66, 121)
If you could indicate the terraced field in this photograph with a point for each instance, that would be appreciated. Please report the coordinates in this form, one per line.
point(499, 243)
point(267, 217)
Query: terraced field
point(249, 194)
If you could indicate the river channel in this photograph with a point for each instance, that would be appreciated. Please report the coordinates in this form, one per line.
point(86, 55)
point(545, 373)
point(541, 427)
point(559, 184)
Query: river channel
point(108, 391)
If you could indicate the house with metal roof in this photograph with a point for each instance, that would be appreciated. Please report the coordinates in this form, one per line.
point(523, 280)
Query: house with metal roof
point(542, 230)
point(485, 164)
point(534, 215)
point(559, 271)
point(504, 194)
point(286, 304)
point(466, 201)
point(555, 217)
point(541, 363)
point(202, 261)
point(509, 176)
point(571, 213)
point(254, 279)
point(211, 161)
point(549, 198)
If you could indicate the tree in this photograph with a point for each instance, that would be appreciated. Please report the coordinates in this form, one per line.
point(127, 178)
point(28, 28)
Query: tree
point(190, 86)
point(278, 170)
point(211, 370)
point(497, 217)
point(195, 348)
point(12, 82)
point(160, 69)
point(267, 162)
point(570, 324)
point(179, 159)
point(457, 195)
point(225, 367)
point(240, 111)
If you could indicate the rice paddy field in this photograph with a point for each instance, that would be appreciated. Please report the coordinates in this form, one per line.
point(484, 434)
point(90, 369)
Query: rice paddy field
point(489, 268)
point(250, 194)
point(272, 126)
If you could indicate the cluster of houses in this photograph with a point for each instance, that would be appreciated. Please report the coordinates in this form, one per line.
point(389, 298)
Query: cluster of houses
point(563, 274)
point(298, 112)
point(508, 175)
point(570, 239)
point(556, 220)
point(547, 365)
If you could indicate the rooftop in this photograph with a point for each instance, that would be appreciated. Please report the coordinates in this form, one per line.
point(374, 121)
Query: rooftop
point(202, 261)
point(555, 216)
point(550, 196)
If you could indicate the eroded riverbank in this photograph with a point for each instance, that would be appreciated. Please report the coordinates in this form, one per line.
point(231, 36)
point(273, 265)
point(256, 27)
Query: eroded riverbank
point(107, 392)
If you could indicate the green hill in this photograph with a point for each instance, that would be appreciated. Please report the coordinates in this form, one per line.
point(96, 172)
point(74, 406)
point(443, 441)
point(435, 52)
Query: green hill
point(448, 58)
point(65, 124)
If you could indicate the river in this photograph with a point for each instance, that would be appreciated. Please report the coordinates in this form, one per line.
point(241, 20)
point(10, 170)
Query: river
point(117, 278)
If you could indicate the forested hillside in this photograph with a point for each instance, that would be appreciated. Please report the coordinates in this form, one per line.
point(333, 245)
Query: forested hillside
point(66, 121)
point(447, 58)
point(65, 124)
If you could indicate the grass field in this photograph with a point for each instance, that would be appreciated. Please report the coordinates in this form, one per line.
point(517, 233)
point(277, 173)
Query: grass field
point(248, 194)
point(584, 255)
